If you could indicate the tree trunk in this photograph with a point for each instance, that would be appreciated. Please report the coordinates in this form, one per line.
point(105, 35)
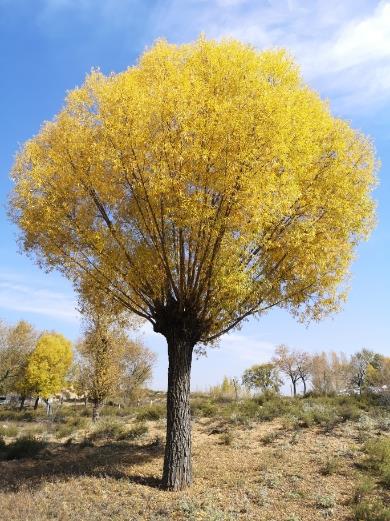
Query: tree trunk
point(294, 383)
point(22, 400)
point(304, 387)
point(36, 403)
point(177, 473)
point(96, 410)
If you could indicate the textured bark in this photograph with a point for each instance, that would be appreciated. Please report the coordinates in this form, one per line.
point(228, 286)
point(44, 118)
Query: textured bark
point(177, 473)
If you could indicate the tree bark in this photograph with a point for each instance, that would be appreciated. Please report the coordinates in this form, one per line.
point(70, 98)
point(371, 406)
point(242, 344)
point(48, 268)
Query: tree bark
point(36, 403)
point(96, 410)
point(22, 400)
point(304, 387)
point(177, 473)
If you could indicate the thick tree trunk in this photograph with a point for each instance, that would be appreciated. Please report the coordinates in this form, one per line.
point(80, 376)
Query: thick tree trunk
point(177, 473)
point(96, 410)
point(304, 387)
point(36, 403)
point(22, 400)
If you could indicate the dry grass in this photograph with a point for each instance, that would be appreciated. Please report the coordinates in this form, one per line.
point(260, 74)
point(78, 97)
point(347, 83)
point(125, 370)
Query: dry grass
point(244, 480)
point(265, 472)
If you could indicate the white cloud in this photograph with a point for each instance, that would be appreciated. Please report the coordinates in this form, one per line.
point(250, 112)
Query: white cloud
point(16, 294)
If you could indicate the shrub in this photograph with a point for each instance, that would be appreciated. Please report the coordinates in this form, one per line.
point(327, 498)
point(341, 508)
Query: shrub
point(204, 408)
point(227, 437)
point(152, 413)
point(378, 458)
point(8, 430)
point(134, 433)
point(363, 489)
point(325, 501)
point(108, 429)
point(270, 437)
point(373, 510)
point(331, 466)
point(24, 447)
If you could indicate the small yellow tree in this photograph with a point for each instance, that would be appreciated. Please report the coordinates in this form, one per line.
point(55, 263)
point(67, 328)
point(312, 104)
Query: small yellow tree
point(111, 364)
point(206, 184)
point(48, 365)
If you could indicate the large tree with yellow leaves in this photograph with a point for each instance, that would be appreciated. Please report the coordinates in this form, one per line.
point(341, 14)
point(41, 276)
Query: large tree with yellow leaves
point(205, 184)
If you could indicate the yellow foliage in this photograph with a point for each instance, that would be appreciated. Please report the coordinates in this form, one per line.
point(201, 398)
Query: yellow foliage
point(205, 184)
point(48, 365)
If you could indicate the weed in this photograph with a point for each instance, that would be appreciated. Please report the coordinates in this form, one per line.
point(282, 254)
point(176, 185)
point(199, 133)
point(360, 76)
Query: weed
point(331, 466)
point(363, 489)
point(227, 437)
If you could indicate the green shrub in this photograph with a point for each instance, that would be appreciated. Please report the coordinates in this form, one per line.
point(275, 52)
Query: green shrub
point(24, 447)
point(134, 433)
point(201, 408)
point(378, 458)
point(108, 428)
point(363, 489)
point(373, 510)
point(152, 413)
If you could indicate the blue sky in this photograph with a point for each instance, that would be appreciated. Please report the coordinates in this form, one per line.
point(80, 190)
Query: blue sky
point(47, 47)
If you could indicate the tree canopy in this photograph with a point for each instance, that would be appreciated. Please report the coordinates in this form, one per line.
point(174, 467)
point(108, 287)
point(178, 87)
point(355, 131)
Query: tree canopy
point(205, 184)
point(48, 365)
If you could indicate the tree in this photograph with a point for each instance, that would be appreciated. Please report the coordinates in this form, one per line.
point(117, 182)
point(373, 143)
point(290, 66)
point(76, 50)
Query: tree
point(204, 185)
point(303, 367)
point(287, 362)
point(48, 365)
point(111, 363)
point(264, 377)
point(330, 373)
point(16, 343)
point(362, 365)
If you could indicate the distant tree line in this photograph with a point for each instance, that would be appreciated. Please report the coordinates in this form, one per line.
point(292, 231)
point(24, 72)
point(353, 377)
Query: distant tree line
point(105, 364)
point(321, 373)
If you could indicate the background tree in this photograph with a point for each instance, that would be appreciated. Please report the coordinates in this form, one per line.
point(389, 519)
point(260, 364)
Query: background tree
point(330, 373)
point(204, 185)
point(16, 343)
point(48, 365)
point(263, 377)
point(304, 368)
point(363, 365)
point(287, 362)
point(111, 363)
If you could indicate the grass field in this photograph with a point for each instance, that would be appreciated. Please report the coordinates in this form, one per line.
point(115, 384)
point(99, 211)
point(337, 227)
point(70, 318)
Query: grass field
point(280, 459)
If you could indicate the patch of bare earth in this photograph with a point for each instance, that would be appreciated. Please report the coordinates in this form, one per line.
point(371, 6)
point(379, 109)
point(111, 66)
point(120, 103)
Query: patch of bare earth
point(260, 473)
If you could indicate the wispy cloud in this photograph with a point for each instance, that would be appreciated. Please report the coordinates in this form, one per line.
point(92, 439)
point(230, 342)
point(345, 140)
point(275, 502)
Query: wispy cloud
point(343, 47)
point(18, 294)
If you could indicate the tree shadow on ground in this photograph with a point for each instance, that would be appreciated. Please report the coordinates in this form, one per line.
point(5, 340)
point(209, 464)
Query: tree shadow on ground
point(58, 462)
